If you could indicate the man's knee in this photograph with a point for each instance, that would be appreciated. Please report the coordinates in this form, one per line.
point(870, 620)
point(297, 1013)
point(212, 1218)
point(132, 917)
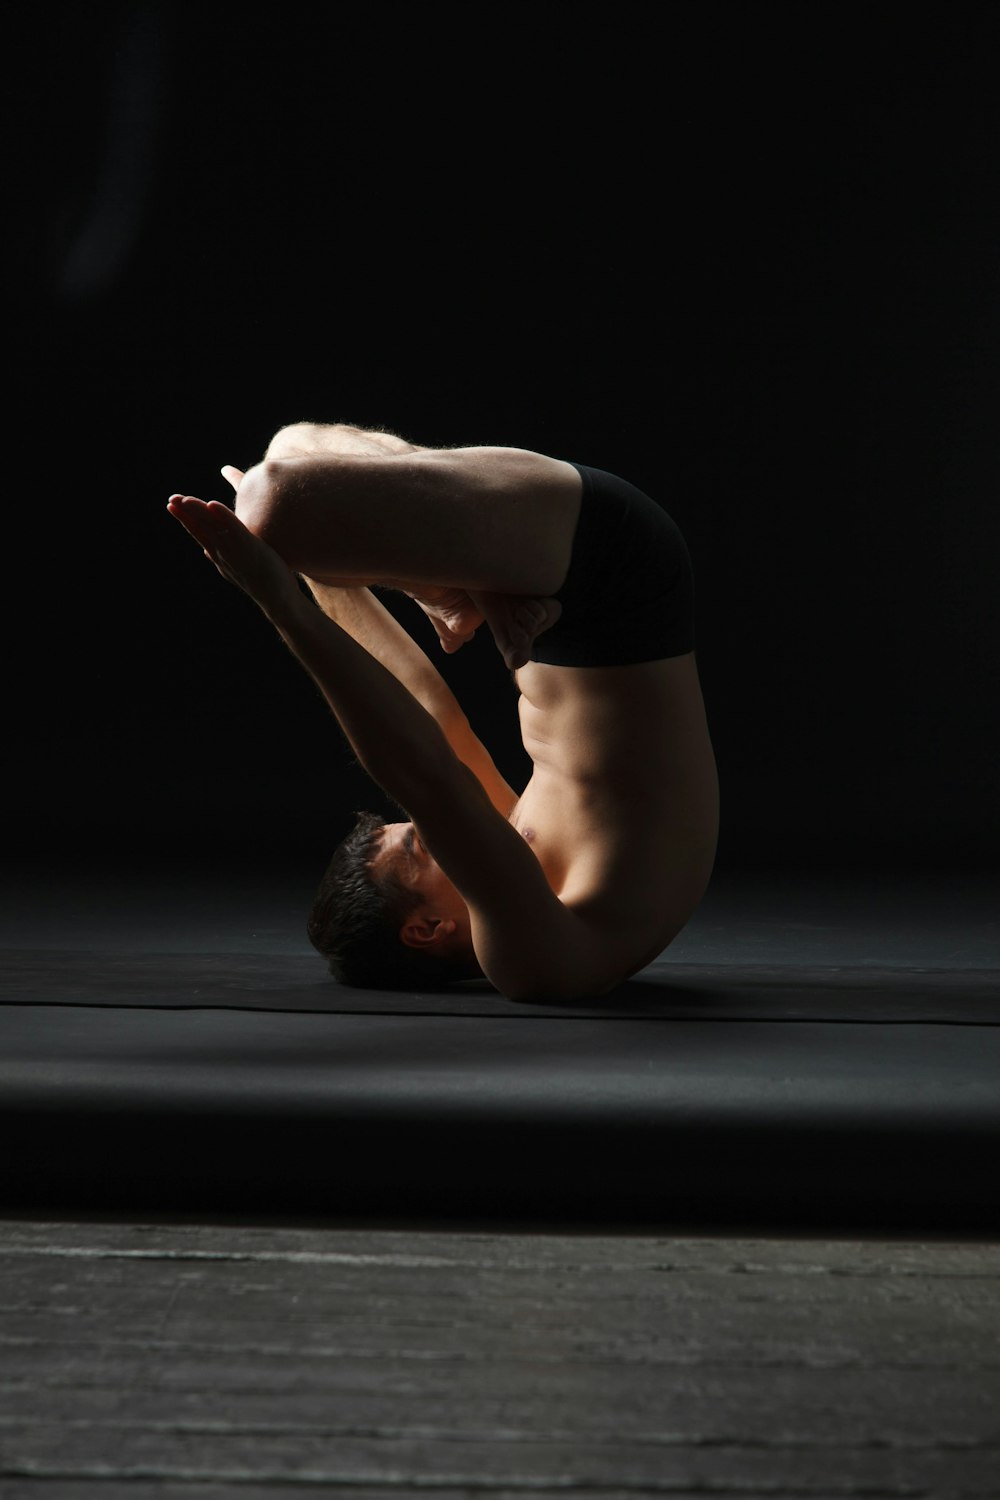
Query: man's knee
point(255, 498)
point(307, 439)
point(297, 440)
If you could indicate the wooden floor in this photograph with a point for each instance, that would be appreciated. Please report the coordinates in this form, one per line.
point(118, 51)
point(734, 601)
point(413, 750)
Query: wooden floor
point(209, 1362)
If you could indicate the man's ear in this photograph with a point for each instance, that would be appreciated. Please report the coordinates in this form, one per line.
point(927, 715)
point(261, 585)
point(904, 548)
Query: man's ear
point(423, 931)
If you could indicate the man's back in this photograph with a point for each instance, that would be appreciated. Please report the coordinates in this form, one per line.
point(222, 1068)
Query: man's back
point(622, 808)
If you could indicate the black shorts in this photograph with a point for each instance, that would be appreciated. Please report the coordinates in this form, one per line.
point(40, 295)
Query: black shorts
point(629, 593)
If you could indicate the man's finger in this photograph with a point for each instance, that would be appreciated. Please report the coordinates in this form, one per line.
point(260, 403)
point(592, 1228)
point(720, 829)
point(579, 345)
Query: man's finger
point(195, 516)
point(234, 476)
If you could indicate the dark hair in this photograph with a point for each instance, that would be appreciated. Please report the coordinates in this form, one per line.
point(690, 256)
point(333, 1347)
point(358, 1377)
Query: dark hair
point(355, 922)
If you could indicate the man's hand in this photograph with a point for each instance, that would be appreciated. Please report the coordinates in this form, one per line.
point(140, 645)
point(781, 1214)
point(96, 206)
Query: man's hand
point(241, 557)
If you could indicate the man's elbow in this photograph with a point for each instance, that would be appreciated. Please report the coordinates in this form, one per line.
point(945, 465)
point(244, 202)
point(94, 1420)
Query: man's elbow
point(549, 986)
point(528, 993)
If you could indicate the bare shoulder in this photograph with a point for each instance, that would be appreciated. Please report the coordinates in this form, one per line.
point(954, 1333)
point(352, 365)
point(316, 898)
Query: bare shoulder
point(528, 943)
point(532, 946)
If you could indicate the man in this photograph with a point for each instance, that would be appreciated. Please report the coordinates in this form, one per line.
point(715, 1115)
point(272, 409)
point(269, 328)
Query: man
point(585, 877)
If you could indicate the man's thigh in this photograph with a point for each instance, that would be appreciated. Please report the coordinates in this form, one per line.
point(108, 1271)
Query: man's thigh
point(488, 519)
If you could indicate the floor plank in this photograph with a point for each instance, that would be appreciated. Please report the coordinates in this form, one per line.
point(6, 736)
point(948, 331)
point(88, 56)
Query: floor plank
point(208, 1361)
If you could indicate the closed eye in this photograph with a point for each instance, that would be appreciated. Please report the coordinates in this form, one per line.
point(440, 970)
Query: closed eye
point(412, 844)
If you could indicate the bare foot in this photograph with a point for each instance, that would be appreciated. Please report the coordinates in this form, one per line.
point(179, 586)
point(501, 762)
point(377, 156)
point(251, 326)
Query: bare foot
point(516, 621)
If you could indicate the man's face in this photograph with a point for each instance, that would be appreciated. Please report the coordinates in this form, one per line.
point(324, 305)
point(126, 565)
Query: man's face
point(401, 854)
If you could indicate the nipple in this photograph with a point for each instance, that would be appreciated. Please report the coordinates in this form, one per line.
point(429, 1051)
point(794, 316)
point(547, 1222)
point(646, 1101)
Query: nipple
point(529, 833)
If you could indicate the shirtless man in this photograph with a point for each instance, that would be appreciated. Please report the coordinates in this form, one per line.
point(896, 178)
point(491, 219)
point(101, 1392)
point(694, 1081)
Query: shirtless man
point(583, 879)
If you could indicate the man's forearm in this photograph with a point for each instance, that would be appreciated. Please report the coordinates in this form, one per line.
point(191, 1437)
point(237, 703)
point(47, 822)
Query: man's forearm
point(397, 740)
point(368, 622)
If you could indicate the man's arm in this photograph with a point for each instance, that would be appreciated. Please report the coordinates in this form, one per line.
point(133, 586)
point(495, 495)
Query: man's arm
point(528, 944)
point(398, 742)
point(356, 610)
point(368, 622)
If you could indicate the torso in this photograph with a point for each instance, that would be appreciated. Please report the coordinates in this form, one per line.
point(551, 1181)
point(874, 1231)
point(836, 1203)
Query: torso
point(622, 808)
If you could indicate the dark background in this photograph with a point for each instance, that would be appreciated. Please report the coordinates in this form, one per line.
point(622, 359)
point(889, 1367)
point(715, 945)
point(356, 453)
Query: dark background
point(745, 255)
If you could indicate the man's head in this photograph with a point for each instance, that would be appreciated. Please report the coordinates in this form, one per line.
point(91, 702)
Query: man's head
point(386, 916)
